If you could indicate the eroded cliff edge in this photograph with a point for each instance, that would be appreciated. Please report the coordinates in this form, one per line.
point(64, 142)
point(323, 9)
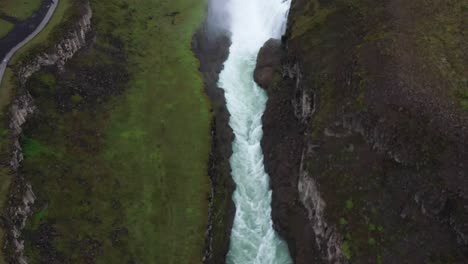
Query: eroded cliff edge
point(21, 192)
point(365, 131)
point(211, 46)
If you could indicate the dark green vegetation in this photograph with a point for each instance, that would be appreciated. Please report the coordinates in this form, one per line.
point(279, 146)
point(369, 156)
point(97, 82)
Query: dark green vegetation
point(20, 9)
point(5, 28)
point(388, 135)
point(65, 16)
point(117, 152)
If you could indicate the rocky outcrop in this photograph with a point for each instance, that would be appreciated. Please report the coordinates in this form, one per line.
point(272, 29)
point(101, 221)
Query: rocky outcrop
point(73, 40)
point(268, 63)
point(327, 237)
point(22, 107)
point(22, 196)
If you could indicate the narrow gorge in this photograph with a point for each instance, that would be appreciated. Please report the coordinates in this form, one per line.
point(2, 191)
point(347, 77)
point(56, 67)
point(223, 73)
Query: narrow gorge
point(234, 131)
point(253, 239)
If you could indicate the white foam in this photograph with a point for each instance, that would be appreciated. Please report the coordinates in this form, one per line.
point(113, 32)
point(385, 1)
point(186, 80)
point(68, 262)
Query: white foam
point(252, 23)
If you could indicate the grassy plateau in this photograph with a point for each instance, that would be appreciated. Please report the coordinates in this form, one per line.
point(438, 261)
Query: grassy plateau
point(117, 153)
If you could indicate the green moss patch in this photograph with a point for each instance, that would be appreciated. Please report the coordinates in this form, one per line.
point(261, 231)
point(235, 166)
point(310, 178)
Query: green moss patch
point(5, 28)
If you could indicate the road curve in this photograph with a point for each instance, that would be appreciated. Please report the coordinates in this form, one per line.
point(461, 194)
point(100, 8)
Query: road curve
point(50, 12)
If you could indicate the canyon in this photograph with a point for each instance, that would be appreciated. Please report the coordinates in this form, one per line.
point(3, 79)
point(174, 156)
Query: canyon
point(303, 131)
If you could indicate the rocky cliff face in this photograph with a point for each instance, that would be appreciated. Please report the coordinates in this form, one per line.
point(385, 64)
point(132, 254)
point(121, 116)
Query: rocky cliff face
point(365, 132)
point(22, 196)
point(211, 46)
point(298, 208)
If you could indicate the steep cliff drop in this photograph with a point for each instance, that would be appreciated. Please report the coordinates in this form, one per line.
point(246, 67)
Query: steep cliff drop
point(253, 239)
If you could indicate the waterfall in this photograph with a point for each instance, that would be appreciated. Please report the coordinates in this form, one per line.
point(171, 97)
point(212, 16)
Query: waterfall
point(252, 23)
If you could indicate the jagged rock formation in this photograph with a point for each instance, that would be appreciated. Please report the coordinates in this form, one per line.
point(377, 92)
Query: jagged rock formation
point(22, 196)
point(21, 108)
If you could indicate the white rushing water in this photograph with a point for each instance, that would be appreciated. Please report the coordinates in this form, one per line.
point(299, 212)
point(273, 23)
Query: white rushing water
point(253, 240)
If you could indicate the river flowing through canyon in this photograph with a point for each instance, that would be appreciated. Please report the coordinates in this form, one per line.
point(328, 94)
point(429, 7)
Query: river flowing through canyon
point(252, 23)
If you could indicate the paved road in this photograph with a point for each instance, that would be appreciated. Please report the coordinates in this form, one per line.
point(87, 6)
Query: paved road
point(47, 12)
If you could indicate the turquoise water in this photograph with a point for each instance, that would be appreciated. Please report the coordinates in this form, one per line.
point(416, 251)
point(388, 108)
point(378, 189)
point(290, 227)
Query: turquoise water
point(252, 23)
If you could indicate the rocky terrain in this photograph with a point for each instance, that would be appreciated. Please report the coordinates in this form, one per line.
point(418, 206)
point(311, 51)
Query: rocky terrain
point(366, 131)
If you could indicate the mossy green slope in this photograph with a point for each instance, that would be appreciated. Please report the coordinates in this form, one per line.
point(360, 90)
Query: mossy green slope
point(117, 153)
point(21, 9)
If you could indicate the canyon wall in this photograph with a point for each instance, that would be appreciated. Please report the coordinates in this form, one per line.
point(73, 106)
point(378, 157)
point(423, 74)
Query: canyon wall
point(211, 46)
point(365, 132)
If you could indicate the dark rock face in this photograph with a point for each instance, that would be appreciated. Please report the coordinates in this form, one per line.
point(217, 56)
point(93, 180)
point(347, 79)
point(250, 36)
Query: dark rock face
point(366, 154)
point(268, 63)
point(212, 50)
point(282, 144)
point(285, 145)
